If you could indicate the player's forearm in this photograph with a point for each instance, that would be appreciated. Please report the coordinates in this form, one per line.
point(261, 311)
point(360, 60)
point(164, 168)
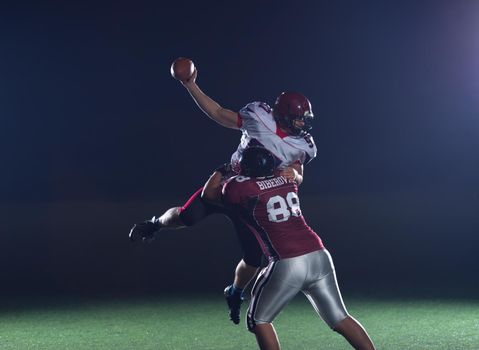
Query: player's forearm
point(294, 172)
point(299, 172)
point(211, 108)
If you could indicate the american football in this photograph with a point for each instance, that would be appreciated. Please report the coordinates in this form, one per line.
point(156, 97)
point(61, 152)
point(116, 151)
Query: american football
point(182, 68)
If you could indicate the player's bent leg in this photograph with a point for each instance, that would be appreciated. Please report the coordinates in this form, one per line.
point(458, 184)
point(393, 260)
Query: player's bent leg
point(322, 288)
point(245, 270)
point(266, 337)
point(145, 230)
point(234, 299)
point(324, 295)
point(275, 286)
point(194, 210)
point(212, 189)
point(252, 255)
point(171, 218)
point(354, 333)
point(244, 273)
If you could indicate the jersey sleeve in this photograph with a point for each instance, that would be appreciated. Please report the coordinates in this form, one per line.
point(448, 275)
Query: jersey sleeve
point(239, 121)
point(249, 115)
point(310, 151)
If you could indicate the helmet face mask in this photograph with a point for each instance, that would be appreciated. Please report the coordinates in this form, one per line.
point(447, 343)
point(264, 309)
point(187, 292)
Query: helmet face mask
point(307, 119)
point(291, 107)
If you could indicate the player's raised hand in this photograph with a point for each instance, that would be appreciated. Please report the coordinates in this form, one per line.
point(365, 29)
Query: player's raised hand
point(289, 173)
point(191, 80)
point(184, 70)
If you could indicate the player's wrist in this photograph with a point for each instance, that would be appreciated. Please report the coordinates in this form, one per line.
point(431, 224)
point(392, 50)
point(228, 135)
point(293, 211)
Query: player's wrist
point(189, 85)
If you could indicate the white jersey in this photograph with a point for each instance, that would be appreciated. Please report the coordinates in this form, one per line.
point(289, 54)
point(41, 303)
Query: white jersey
point(260, 129)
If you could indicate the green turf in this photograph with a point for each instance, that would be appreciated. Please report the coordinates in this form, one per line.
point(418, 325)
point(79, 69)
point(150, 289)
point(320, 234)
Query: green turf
point(191, 323)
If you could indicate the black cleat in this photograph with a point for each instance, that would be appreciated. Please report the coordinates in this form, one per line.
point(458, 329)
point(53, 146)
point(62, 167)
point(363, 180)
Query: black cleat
point(145, 230)
point(234, 302)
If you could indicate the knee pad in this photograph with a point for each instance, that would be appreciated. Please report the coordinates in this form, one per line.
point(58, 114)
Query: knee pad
point(250, 323)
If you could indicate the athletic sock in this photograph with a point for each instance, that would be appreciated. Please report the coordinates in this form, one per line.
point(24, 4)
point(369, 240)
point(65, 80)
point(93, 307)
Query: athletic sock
point(236, 291)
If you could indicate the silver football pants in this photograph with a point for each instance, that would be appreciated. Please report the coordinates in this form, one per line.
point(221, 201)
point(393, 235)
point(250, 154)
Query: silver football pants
point(281, 280)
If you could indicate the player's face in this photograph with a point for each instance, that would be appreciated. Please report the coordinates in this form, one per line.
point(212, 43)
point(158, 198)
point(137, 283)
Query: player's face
point(298, 123)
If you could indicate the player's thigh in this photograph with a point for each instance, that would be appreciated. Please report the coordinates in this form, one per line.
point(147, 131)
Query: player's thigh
point(275, 286)
point(252, 253)
point(324, 293)
point(196, 209)
point(212, 188)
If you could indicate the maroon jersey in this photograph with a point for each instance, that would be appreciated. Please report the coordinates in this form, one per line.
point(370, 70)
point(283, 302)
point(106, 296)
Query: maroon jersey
point(270, 208)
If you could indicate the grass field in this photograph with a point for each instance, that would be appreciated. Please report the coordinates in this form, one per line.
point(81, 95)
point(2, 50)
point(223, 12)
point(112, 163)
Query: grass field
point(191, 323)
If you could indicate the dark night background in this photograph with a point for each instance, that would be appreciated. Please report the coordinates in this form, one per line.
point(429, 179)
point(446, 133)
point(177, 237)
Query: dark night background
point(95, 135)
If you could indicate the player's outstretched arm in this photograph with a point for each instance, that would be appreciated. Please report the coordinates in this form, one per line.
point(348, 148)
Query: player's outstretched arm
point(211, 108)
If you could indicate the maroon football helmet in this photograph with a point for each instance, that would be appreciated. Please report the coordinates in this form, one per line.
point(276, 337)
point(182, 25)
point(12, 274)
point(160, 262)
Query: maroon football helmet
point(291, 106)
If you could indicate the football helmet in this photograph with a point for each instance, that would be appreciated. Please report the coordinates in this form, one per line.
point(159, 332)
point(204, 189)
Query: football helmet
point(257, 162)
point(292, 106)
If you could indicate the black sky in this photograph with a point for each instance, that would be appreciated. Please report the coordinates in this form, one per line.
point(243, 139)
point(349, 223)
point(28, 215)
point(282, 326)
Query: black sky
point(89, 110)
point(91, 121)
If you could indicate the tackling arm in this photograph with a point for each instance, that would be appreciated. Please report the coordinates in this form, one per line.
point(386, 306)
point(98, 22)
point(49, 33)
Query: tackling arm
point(294, 172)
point(211, 108)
